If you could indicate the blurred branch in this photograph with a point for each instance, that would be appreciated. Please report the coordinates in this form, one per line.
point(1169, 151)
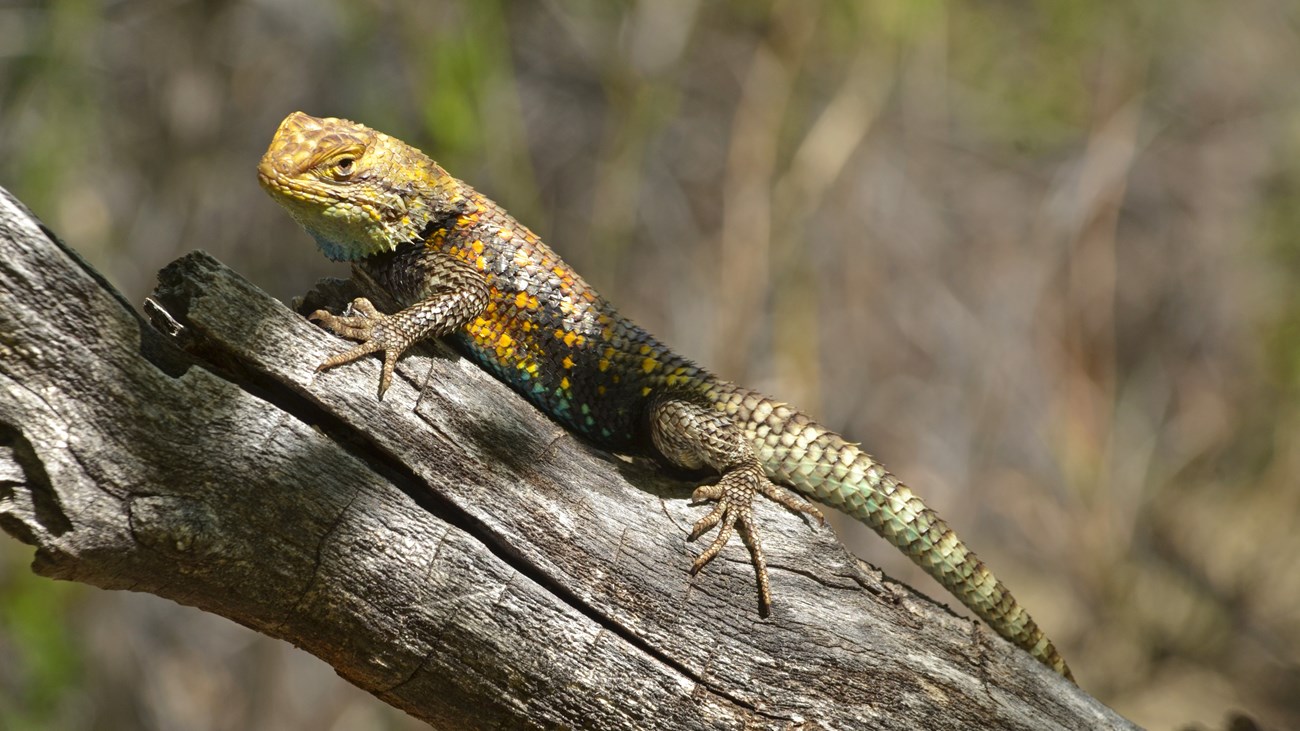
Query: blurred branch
point(745, 243)
point(448, 549)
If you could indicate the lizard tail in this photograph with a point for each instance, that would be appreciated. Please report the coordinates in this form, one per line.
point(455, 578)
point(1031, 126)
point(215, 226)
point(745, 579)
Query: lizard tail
point(797, 451)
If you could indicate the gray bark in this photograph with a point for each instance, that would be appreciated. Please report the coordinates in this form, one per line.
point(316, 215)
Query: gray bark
point(448, 548)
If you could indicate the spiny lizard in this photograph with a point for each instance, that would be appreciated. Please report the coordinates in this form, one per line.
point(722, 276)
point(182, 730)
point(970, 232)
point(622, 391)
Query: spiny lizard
point(462, 267)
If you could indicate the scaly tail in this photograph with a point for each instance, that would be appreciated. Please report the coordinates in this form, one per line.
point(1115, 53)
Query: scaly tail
point(798, 452)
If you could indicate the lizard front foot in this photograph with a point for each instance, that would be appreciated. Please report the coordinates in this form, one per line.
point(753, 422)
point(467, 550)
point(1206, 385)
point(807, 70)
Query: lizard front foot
point(361, 321)
point(454, 293)
point(734, 496)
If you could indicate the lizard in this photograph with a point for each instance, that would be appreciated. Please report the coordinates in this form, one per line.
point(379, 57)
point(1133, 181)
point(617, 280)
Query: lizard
point(462, 268)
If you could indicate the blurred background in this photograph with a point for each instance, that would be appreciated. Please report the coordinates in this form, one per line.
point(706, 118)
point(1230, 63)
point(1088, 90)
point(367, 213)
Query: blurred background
point(1040, 257)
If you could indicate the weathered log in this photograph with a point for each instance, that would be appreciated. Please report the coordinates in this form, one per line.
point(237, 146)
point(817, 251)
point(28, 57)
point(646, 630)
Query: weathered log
point(448, 548)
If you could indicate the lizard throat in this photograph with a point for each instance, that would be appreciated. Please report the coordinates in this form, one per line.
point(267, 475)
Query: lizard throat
point(344, 229)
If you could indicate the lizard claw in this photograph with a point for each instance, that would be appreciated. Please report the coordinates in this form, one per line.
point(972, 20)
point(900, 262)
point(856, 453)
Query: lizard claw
point(705, 493)
point(357, 322)
point(734, 494)
point(361, 321)
point(791, 501)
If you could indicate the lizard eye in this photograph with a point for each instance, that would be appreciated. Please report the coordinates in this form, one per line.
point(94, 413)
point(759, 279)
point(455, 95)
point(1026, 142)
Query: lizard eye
point(344, 167)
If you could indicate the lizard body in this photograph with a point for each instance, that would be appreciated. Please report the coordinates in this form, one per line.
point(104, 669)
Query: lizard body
point(461, 267)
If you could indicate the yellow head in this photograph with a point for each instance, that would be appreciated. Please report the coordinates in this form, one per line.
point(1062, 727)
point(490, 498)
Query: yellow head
point(358, 192)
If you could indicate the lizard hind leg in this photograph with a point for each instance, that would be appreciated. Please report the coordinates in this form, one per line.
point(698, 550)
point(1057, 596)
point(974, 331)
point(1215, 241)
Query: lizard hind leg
point(692, 435)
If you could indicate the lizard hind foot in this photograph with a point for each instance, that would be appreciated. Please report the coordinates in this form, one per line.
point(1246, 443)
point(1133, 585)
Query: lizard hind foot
point(734, 496)
point(733, 509)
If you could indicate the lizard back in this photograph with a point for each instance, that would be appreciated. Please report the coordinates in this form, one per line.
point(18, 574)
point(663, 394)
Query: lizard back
point(548, 334)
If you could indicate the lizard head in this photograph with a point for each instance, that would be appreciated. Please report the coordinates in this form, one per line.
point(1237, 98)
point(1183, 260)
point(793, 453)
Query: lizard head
point(358, 192)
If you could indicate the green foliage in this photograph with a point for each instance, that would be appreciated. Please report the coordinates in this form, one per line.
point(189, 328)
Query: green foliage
point(1279, 234)
point(42, 662)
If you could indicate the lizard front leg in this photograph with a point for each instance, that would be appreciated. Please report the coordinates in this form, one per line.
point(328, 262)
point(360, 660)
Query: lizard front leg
point(449, 293)
point(692, 435)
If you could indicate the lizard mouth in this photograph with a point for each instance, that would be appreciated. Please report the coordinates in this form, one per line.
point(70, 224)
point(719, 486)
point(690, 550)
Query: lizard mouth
point(267, 178)
point(276, 181)
point(281, 185)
